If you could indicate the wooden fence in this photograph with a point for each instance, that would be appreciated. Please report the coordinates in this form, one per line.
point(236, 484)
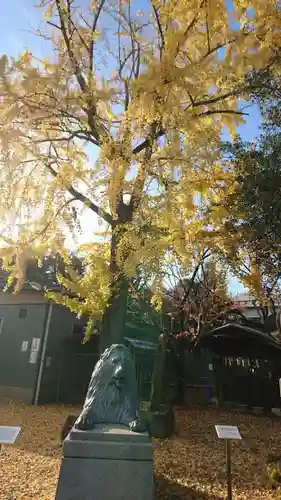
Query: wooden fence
point(248, 382)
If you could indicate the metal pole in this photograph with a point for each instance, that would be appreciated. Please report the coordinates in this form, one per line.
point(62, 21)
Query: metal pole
point(43, 353)
point(228, 462)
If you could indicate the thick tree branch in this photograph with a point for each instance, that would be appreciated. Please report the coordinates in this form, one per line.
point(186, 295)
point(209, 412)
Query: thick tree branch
point(140, 180)
point(211, 100)
point(84, 199)
point(222, 112)
point(143, 145)
point(204, 256)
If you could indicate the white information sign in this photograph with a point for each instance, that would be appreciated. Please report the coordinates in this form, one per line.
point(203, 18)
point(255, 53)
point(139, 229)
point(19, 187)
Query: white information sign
point(35, 344)
point(24, 346)
point(8, 435)
point(33, 357)
point(227, 432)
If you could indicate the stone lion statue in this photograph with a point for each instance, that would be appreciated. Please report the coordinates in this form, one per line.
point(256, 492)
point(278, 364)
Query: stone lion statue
point(112, 395)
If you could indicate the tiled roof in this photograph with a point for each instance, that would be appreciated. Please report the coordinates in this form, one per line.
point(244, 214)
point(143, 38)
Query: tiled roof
point(240, 332)
point(141, 344)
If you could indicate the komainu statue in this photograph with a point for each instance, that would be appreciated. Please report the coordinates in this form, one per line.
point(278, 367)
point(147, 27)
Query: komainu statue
point(112, 396)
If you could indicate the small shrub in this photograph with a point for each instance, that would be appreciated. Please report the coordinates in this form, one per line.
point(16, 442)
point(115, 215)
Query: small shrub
point(274, 470)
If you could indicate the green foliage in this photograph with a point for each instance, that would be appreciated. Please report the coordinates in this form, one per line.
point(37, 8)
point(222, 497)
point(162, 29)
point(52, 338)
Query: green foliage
point(273, 470)
point(139, 304)
point(254, 204)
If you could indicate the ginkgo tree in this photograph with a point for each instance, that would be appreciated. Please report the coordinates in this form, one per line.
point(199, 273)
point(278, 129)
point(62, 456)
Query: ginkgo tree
point(123, 120)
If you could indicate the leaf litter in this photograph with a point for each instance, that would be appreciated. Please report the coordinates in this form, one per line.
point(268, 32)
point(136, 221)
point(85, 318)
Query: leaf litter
point(190, 465)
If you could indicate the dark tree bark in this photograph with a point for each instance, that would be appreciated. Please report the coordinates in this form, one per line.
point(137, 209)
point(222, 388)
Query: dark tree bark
point(159, 379)
point(180, 376)
point(114, 317)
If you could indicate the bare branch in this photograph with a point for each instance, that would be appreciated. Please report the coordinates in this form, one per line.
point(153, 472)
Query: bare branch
point(72, 57)
point(191, 25)
point(84, 135)
point(191, 99)
point(91, 112)
point(94, 27)
point(204, 256)
point(54, 25)
point(52, 219)
point(207, 29)
point(160, 29)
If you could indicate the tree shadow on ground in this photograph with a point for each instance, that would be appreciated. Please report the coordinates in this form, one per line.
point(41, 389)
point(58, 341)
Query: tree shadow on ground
point(168, 489)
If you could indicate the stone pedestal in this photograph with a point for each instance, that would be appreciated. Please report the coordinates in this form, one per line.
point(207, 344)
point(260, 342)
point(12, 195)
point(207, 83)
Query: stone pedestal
point(106, 463)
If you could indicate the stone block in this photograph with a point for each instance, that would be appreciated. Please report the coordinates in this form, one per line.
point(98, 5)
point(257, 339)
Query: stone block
point(106, 463)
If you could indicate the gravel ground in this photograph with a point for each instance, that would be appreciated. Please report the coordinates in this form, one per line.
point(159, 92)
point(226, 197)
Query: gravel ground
point(29, 469)
point(192, 465)
point(189, 466)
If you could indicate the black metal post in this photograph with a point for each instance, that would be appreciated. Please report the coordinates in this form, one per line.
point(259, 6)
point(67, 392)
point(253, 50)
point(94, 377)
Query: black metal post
point(228, 462)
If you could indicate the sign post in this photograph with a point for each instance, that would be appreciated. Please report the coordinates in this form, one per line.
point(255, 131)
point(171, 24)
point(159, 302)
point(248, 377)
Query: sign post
point(228, 462)
point(228, 432)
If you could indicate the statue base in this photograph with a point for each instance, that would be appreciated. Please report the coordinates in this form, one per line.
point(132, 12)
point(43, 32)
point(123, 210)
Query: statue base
point(107, 463)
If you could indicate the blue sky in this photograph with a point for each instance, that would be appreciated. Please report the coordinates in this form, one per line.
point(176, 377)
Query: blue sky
point(19, 17)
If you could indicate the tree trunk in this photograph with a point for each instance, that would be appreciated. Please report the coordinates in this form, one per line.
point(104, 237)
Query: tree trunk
point(114, 317)
point(113, 323)
point(159, 378)
point(157, 392)
point(180, 374)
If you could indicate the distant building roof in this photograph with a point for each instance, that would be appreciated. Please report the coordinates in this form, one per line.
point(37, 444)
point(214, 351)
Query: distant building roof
point(141, 344)
point(38, 283)
point(243, 300)
point(236, 339)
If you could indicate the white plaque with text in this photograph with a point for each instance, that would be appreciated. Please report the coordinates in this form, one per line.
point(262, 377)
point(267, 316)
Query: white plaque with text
point(8, 434)
point(35, 344)
point(227, 432)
